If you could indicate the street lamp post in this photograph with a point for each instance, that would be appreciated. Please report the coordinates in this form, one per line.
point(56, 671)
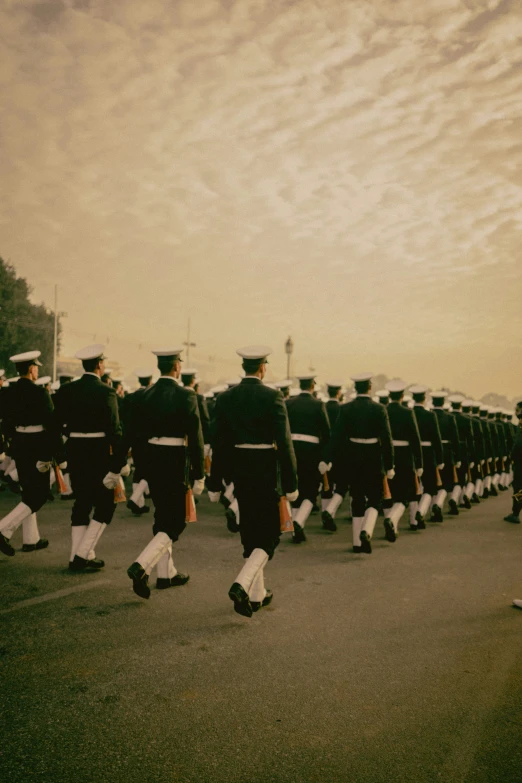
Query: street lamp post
point(289, 349)
point(188, 344)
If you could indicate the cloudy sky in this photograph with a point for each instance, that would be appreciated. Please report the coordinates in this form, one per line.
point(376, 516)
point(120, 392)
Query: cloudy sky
point(345, 171)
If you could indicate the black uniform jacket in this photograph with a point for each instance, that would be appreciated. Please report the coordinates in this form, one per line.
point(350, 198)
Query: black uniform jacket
point(88, 405)
point(465, 437)
point(25, 404)
point(332, 409)
point(204, 417)
point(404, 427)
point(479, 445)
point(449, 433)
point(486, 433)
point(429, 431)
point(251, 413)
point(307, 416)
point(169, 410)
point(361, 418)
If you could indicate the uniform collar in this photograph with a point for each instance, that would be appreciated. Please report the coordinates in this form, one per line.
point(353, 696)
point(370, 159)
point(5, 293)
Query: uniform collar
point(167, 378)
point(251, 379)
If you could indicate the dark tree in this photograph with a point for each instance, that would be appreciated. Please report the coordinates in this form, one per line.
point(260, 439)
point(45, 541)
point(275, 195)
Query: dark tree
point(24, 326)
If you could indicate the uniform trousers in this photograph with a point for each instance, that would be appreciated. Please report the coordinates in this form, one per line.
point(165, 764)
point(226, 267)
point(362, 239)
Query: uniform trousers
point(429, 476)
point(403, 486)
point(166, 475)
point(27, 450)
point(308, 456)
point(88, 461)
point(365, 477)
point(255, 478)
point(447, 474)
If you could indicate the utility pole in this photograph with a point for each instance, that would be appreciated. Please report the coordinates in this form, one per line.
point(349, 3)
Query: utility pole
point(289, 348)
point(57, 315)
point(188, 344)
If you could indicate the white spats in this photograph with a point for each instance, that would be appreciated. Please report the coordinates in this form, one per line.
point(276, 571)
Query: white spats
point(14, 519)
point(357, 523)
point(90, 539)
point(324, 503)
point(165, 566)
point(77, 533)
point(470, 489)
point(229, 492)
point(30, 532)
point(257, 591)
point(455, 495)
point(424, 504)
point(396, 512)
point(414, 507)
point(479, 487)
point(303, 512)
point(333, 505)
point(440, 497)
point(254, 564)
point(154, 551)
point(139, 490)
point(370, 518)
point(487, 483)
point(234, 506)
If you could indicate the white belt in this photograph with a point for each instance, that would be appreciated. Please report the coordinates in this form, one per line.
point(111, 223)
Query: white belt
point(254, 445)
point(86, 434)
point(425, 442)
point(401, 442)
point(365, 440)
point(31, 428)
point(306, 438)
point(445, 441)
point(167, 441)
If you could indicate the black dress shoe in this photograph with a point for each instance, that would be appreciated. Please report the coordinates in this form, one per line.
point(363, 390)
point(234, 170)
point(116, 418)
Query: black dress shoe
point(466, 502)
point(512, 518)
point(475, 498)
point(80, 564)
point(137, 510)
point(493, 491)
point(174, 581)
point(420, 521)
point(6, 547)
point(68, 497)
point(414, 527)
point(41, 544)
point(256, 605)
point(231, 518)
point(298, 536)
point(140, 580)
point(357, 550)
point(485, 494)
point(95, 564)
point(241, 600)
point(501, 487)
point(50, 497)
point(366, 546)
point(328, 522)
point(436, 514)
point(453, 508)
point(389, 531)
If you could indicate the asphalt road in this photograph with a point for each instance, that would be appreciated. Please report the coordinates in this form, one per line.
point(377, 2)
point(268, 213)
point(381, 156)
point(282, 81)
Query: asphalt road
point(403, 666)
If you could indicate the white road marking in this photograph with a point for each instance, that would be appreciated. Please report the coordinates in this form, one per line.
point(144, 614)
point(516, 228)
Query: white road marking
point(51, 596)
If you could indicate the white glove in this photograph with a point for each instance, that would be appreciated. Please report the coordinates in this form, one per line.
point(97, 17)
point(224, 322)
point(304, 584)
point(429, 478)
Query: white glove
point(490, 459)
point(324, 467)
point(482, 461)
point(419, 472)
point(2, 456)
point(292, 496)
point(125, 471)
point(63, 465)
point(472, 464)
point(206, 450)
point(111, 480)
point(390, 474)
point(441, 466)
point(43, 467)
point(458, 464)
point(214, 496)
point(199, 485)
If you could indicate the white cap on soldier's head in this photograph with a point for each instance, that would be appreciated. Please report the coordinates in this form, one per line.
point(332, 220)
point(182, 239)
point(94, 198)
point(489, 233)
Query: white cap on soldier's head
point(467, 403)
point(27, 357)
point(383, 394)
point(94, 351)
point(188, 371)
point(396, 385)
point(254, 352)
point(457, 398)
point(418, 389)
point(143, 372)
point(294, 392)
point(439, 395)
point(361, 377)
point(286, 384)
point(307, 377)
point(43, 381)
point(173, 352)
point(334, 383)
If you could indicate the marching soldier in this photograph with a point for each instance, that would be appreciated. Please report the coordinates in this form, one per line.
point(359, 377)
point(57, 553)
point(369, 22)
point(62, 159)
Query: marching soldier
point(488, 445)
point(432, 456)
point(408, 457)
point(477, 454)
point(166, 418)
point(28, 423)
point(451, 449)
point(284, 387)
point(188, 377)
point(334, 390)
point(382, 397)
point(516, 457)
point(361, 451)
point(252, 443)
point(140, 488)
point(88, 411)
point(310, 430)
point(466, 449)
point(503, 450)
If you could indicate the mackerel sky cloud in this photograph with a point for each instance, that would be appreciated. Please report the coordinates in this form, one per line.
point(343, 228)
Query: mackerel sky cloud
point(346, 172)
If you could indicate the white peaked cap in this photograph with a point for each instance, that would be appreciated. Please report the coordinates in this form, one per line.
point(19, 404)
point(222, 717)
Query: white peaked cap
point(456, 398)
point(484, 407)
point(26, 357)
point(418, 389)
point(382, 393)
point(218, 389)
point(396, 385)
point(294, 392)
point(362, 376)
point(439, 395)
point(283, 384)
point(13, 380)
point(407, 398)
point(189, 371)
point(476, 403)
point(143, 372)
point(43, 381)
point(334, 383)
point(166, 351)
point(307, 377)
point(467, 403)
point(254, 352)
point(90, 352)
